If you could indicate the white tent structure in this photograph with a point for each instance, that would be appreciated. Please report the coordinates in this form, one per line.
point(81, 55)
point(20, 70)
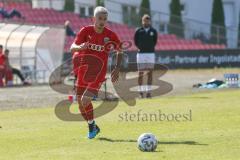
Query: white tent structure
point(37, 50)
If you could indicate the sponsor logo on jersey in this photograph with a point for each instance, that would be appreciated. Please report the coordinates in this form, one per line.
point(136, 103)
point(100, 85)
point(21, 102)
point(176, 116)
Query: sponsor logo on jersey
point(96, 47)
point(106, 39)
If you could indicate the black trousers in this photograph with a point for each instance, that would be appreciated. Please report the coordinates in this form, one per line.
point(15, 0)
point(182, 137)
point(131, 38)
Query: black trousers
point(18, 73)
point(11, 14)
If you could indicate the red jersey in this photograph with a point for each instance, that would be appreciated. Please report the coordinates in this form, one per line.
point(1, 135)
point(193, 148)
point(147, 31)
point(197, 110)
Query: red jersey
point(2, 59)
point(91, 64)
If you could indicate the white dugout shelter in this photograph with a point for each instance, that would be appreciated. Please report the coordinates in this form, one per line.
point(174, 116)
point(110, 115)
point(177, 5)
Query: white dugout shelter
point(35, 50)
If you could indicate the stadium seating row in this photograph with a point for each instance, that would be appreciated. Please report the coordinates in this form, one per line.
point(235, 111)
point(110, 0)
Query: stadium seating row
point(51, 17)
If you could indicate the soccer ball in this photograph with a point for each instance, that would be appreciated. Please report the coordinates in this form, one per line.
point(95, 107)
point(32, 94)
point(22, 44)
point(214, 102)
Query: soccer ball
point(147, 142)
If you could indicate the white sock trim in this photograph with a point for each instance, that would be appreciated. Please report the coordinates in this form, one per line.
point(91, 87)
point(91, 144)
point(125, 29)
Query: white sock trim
point(90, 122)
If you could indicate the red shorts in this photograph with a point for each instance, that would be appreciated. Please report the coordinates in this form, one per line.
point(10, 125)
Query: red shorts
point(8, 74)
point(93, 88)
point(89, 79)
point(90, 71)
point(2, 71)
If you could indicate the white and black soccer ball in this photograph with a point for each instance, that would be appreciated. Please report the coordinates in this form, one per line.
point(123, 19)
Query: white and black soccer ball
point(147, 142)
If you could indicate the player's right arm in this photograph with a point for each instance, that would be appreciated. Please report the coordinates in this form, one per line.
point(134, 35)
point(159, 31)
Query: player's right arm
point(75, 47)
point(80, 41)
point(136, 38)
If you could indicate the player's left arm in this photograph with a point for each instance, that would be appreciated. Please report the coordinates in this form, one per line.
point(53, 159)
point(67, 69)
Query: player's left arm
point(119, 56)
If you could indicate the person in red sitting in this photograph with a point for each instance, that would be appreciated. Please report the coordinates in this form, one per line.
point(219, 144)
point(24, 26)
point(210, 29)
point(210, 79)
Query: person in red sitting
point(9, 71)
point(2, 66)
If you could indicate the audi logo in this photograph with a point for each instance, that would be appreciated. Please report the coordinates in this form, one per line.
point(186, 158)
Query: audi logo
point(95, 47)
point(110, 46)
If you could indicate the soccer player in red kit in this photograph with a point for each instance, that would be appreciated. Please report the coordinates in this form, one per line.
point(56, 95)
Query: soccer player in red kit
point(90, 60)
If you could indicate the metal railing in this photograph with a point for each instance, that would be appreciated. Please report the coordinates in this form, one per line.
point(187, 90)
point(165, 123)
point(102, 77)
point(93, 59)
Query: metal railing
point(191, 28)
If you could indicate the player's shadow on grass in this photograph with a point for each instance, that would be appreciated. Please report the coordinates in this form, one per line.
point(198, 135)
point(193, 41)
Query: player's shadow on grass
point(159, 142)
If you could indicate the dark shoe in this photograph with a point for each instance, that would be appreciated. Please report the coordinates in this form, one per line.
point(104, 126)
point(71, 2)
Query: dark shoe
point(25, 83)
point(141, 95)
point(148, 95)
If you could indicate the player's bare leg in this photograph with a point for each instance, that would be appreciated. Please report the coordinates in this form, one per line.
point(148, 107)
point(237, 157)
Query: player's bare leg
point(140, 83)
point(149, 83)
point(86, 109)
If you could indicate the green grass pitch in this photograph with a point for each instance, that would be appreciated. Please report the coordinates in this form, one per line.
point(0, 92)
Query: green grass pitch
point(212, 133)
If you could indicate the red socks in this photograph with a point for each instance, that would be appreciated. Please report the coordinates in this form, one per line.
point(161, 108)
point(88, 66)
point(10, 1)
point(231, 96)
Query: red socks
point(87, 112)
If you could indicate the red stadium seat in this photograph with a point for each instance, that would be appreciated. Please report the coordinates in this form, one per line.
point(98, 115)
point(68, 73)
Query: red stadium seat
point(47, 16)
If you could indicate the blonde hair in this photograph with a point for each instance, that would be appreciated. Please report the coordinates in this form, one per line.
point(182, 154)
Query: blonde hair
point(100, 9)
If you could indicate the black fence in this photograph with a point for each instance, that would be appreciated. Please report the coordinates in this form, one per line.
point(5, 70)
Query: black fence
point(173, 60)
point(191, 59)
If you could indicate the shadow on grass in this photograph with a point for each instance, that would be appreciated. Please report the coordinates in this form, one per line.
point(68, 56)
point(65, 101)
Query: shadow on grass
point(200, 97)
point(185, 97)
point(159, 142)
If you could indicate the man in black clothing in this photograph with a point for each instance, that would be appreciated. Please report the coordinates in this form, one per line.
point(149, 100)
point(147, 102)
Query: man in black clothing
point(145, 39)
point(11, 14)
point(69, 30)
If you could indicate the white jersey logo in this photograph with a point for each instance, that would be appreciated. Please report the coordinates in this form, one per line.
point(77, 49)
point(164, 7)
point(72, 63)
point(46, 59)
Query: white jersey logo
point(96, 47)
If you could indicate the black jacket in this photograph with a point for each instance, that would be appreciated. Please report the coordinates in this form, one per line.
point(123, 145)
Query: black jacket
point(145, 41)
